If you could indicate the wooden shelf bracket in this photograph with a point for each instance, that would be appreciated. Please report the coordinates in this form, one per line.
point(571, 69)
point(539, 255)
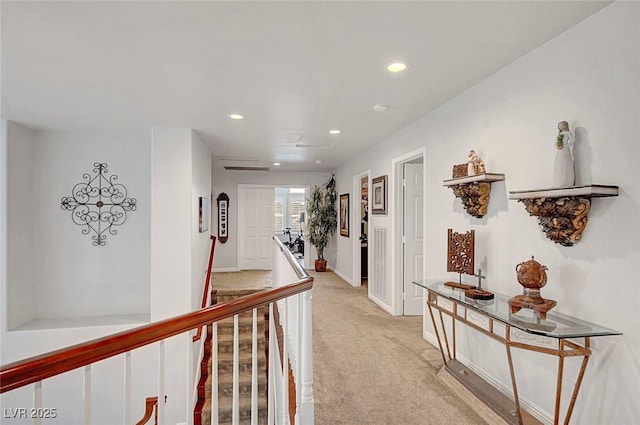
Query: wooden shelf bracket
point(563, 212)
point(474, 191)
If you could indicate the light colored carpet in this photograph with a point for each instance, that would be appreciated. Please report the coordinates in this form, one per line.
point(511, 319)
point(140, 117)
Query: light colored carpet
point(371, 368)
point(245, 279)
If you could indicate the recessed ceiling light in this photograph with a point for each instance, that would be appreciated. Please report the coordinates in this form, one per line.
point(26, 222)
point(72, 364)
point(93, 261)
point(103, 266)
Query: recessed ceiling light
point(334, 131)
point(318, 161)
point(276, 164)
point(379, 107)
point(236, 116)
point(397, 66)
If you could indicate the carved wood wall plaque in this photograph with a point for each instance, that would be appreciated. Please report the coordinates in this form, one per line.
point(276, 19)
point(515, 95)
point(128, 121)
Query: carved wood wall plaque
point(460, 252)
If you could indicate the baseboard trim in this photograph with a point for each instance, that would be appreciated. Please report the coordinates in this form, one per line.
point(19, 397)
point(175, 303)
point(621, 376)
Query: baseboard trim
point(487, 414)
point(532, 408)
point(381, 304)
point(343, 277)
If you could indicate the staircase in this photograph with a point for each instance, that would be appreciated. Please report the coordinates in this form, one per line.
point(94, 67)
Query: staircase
point(225, 366)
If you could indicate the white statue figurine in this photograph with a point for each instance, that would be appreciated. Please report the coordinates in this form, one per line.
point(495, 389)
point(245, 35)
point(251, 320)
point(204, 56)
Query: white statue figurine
point(475, 165)
point(563, 175)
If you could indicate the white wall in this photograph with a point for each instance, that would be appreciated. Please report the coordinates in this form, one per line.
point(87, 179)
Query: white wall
point(20, 232)
point(42, 244)
point(181, 172)
point(46, 247)
point(108, 280)
point(228, 181)
point(589, 77)
point(201, 242)
point(166, 170)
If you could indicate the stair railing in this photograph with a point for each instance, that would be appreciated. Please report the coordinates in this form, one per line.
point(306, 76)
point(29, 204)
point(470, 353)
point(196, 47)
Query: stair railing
point(296, 350)
point(36, 370)
point(206, 293)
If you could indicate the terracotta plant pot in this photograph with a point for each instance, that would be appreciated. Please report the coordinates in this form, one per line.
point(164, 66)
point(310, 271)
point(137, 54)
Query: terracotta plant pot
point(321, 265)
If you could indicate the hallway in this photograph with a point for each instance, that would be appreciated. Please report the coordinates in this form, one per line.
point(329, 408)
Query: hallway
point(371, 368)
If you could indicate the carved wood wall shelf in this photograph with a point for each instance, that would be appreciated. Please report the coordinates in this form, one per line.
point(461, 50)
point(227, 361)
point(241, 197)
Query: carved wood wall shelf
point(474, 191)
point(562, 212)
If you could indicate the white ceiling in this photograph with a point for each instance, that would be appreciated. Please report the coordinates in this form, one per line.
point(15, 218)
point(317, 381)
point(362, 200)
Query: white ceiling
point(294, 69)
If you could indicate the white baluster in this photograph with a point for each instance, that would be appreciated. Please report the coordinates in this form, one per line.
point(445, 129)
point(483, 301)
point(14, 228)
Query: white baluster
point(214, 377)
point(235, 413)
point(37, 401)
point(285, 361)
point(86, 395)
point(254, 369)
point(306, 356)
point(298, 364)
point(127, 388)
point(272, 365)
point(161, 392)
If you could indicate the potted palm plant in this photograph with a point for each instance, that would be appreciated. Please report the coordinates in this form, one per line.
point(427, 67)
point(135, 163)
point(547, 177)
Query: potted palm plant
point(322, 219)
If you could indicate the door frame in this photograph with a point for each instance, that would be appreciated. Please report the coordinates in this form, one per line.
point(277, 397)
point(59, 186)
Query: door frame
point(355, 225)
point(397, 211)
point(307, 193)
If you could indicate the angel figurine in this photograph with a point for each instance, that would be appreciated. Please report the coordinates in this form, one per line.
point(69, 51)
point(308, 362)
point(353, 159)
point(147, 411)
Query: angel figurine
point(563, 174)
point(475, 164)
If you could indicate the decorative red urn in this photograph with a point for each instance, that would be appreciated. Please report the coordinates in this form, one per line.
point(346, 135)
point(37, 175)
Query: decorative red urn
point(532, 276)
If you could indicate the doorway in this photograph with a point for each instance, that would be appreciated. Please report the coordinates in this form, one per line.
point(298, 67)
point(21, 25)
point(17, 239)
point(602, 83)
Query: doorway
point(360, 212)
point(255, 227)
point(409, 243)
point(413, 258)
point(290, 216)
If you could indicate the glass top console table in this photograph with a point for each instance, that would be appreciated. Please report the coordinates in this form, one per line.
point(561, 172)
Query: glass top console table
point(558, 334)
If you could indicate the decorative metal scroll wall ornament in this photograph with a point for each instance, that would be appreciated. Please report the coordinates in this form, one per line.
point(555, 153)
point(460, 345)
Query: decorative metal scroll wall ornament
point(223, 217)
point(99, 204)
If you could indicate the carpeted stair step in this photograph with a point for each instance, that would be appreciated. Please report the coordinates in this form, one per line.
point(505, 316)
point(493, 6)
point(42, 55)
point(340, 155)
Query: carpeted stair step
point(245, 342)
point(245, 324)
point(225, 363)
point(225, 331)
point(225, 410)
point(225, 295)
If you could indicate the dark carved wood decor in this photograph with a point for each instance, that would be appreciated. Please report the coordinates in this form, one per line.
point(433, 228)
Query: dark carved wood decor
point(474, 197)
point(562, 219)
point(459, 170)
point(460, 252)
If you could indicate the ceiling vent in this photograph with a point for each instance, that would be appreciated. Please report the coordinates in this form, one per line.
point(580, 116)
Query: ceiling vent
point(300, 145)
point(239, 158)
point(236, 168)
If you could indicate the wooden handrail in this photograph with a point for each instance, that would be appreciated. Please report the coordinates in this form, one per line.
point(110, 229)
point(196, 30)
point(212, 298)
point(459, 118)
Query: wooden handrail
point(207, 281)
point(37, 368)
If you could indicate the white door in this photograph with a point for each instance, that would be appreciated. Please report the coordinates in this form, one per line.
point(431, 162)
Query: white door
point(255, 227)
point(413, 237)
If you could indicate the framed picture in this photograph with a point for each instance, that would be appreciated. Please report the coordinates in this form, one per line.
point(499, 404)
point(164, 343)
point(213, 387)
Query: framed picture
point(344, 214)
point(379, 195)
point(203, 216)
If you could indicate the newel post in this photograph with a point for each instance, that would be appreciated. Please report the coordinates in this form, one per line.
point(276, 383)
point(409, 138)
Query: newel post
point(306, 405)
